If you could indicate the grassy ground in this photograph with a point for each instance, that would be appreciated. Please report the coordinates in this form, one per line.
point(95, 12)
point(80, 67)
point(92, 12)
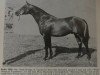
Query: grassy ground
point(27, 50)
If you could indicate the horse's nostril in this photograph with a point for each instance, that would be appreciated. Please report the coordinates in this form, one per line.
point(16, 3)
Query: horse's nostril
point(16, 13)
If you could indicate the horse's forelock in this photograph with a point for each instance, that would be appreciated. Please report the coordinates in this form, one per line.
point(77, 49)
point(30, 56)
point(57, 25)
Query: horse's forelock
point(27, 3)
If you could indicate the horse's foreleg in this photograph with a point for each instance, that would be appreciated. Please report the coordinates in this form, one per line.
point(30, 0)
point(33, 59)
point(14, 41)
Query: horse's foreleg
point(46, 53)
point(47, 40)
point(50, 47)
point(46, 48)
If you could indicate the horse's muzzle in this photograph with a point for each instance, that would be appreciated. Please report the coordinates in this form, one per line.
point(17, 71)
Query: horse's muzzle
point(16, 13)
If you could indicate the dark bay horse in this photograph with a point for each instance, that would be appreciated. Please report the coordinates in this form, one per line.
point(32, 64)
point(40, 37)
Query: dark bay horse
point(52, 26)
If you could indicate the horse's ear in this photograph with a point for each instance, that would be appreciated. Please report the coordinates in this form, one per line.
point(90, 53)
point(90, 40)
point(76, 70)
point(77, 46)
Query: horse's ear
point(27, 2)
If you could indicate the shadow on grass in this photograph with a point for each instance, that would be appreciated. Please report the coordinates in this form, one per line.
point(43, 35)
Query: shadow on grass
point(21, 56)
point(60, 50)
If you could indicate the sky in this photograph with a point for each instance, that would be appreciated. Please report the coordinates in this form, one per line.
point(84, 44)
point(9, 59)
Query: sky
point(59, 8)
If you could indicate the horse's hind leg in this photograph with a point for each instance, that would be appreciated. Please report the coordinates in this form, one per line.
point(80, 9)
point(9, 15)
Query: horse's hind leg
point(79, 41)
point(85, 41)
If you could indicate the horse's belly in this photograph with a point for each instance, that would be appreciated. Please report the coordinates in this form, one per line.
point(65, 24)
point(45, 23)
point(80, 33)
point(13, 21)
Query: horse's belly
point(60, 32)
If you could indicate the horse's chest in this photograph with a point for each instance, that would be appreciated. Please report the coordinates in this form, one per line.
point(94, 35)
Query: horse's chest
point(44, 26)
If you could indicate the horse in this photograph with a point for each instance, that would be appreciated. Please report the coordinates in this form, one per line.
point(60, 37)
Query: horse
point(51, 26)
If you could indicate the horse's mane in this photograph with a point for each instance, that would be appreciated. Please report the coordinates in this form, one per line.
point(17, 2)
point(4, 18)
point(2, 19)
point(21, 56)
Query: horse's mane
point(41, 10)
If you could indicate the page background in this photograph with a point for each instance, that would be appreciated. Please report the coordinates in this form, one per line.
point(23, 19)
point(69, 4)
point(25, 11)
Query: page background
point(2, 10)
point(98, 29)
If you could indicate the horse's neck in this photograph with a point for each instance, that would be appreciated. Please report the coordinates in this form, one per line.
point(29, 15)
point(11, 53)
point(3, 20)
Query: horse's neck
point(37, 13)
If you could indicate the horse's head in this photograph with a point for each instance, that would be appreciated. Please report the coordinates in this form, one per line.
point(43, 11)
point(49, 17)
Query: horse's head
point(23, 10)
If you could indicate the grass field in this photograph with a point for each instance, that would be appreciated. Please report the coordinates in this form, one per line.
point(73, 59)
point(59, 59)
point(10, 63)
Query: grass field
point(28, 50)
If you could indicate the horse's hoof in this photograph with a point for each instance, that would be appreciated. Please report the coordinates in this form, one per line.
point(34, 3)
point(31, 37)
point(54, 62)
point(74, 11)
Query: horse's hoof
point(88, 57)
point(44, 59)
point(50, 57)
point(47, 58)
point(78, 56)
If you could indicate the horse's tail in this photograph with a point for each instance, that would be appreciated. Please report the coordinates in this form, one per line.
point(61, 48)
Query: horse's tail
point(86, 31)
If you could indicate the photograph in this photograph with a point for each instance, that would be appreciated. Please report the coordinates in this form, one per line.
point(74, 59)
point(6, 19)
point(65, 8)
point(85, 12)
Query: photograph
point(50, 33)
